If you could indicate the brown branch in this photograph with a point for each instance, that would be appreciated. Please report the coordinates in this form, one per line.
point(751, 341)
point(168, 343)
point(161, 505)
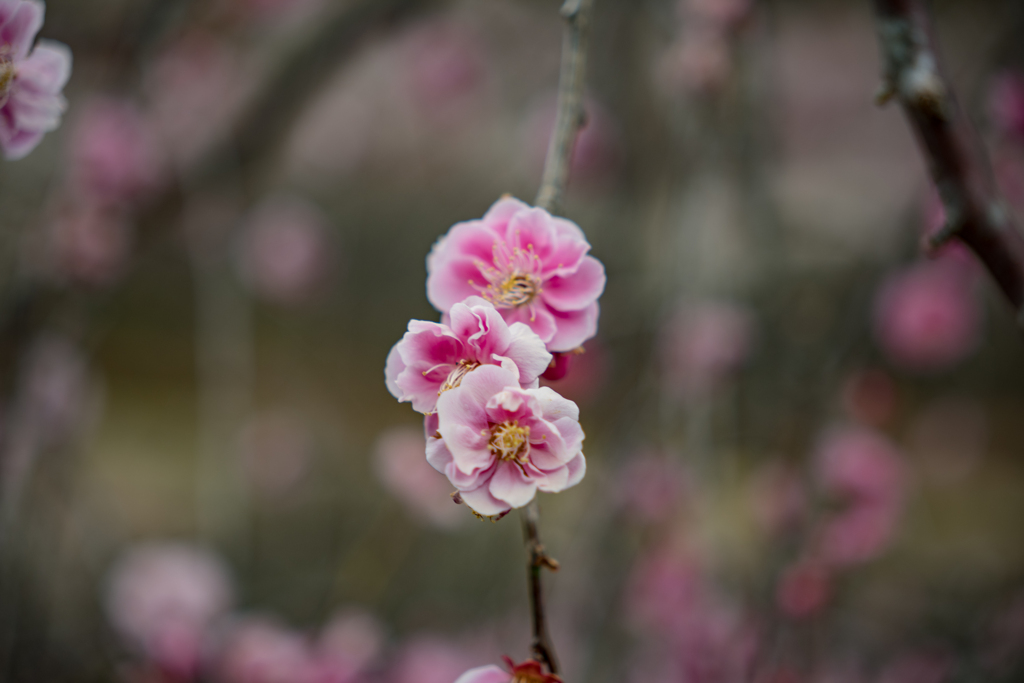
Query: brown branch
point(975, 214)
point(570, 117)
point(541, 647)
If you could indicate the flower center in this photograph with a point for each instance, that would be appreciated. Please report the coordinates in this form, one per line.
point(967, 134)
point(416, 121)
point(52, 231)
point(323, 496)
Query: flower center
point(7, 73)
point(509, 441)
point(517, 289)
point(462, 368)
point(512, 278)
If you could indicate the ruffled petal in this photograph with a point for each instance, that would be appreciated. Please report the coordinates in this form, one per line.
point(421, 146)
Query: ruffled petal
point(20, 21)
point(527, 351)
point(482, 502)
point(536, 316)
point(485, 674)
point(510, 485)
point(576, 291)
point(501, 212)
point(572, 328)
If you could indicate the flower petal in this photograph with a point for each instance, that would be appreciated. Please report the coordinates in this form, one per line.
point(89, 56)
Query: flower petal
point(510, 485)
point(575, 291)
point(485, 674)
point(482, 502)
point(527, 351)
point(572, 328)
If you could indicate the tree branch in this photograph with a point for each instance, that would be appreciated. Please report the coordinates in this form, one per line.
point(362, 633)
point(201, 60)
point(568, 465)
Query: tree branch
point(975, 214)
point(571, 117)
point(541, 646)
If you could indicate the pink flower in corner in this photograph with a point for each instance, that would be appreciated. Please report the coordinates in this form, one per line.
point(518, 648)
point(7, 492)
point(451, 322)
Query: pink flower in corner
point(31, 80)
point(499, 444)
point(531, 265)
point(433, 357)
point(528, 672)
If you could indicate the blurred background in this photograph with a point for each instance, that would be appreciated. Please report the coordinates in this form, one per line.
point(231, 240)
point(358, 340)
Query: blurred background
point(804, 438)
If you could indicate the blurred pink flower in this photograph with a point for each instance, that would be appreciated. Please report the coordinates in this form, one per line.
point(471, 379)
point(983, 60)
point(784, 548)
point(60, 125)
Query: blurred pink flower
point(57, 386)
point(402, 467)
point(699, 62)
point(433, 358)
point(427, 659)
point(864, 471)
point(531, 265)
point(597, 153)
point(803, 589)
point(710, 642)
point(927, 317)
point(348, 645)
point(703, 345)
point(260, 650)
point(89, 245)
point(869, 397)
point(529, 671)
point(777, 498)
point(31, 78)
point(501, 444)
point(194, 85)
point(115, 157)
point(285, 250)
point(163, 599)
point(446, 68)
point(1006, 103)
point(650, 486)
point(276, 450)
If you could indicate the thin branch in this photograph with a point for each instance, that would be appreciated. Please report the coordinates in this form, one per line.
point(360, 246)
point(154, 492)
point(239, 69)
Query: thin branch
point(975, 214)
point(571, 117)
point(541, 647)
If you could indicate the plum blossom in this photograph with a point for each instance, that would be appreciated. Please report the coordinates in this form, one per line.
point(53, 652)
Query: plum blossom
point(115, 155)
point(703, 345)
point(89, 245)
point(31, 79)
point(433, 357)
point(927, 317)
point(863, 470)
point(285, 250)
point(532, 266)
point(803, 589)
point(400, 466)
point(163, 598)
point(348, 645)
point(529, 671)
point(260, 650)
point(429, 659)
point(499, 444)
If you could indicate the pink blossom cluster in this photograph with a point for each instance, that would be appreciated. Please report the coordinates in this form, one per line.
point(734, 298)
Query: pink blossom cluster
point(512, 287)
point(861, 474)
point(171, 604)
point(701, 60)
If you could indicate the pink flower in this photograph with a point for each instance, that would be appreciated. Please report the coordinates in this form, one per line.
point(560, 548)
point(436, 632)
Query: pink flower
point(400, 466)
point(927, 317)
point(703, 345)
point(285, 250)
point(804, 589)
point(347, 646)
point(163, 599)
point(433, 357)
point(531, 265)
point(260, 650)
point(651, 486)
point(90, 245)
point(869, 396)
point(114, 154)
point(428, 659)
point(777, 498)
point(500, 444)
point(529, 671)
point(31, 80)
point(864, 471)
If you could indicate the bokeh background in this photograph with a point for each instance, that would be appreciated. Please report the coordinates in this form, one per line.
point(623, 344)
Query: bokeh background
point(804, 438)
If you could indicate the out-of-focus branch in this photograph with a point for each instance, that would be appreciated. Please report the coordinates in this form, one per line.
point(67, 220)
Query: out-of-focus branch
point(540, 646)
point(975, 214)
point(571, 117)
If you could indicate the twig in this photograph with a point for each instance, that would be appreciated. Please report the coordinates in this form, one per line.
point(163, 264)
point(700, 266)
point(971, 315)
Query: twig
point(541, 646)
point(975, 214)
point(570, 117)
